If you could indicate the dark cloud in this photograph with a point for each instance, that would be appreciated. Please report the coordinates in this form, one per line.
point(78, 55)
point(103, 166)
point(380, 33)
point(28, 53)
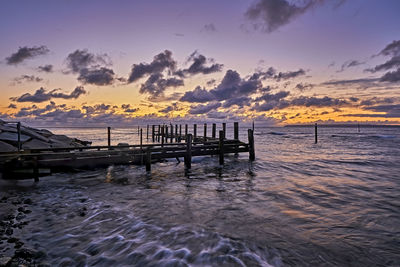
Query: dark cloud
point(83, 59)
point(128, 109)
point(202, 109)
point(392, 49)
point(27, 78)
point(41, 95)
point(289, 75)
point(209, 28)
point(317, 101)
point(100, 76)
point(161, 62)
point(156, 84)
point(170, 108)
point(362, 82)
point(89, 68)
point(25, 52)
point(199, 95)
point(45, 68)
point(350, 64)
point(238, 101)
point(13, 106)
point(198, 66)
point(391, 76)
point(272, 14)
point(271, 73)
point(302, 87)
point(163, 98)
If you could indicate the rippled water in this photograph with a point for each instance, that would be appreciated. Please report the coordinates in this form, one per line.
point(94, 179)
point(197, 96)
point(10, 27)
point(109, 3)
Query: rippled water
point(335, 203)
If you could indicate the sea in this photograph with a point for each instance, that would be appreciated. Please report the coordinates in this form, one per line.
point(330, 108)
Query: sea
point(334, 203)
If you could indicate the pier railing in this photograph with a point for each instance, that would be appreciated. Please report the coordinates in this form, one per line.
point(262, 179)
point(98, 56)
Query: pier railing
point(168, 142)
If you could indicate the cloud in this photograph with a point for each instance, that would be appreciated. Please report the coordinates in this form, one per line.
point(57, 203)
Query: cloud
point(25, 52)
point(202, 109)
point(199, 66)
point(170, 108)
point(270, 15)
point(199, 95)
point(231, 86)
point(45, 68)
point(210, 27)
point(41, 95)
point(27, 78)
point(325, 101)
point(393, 50)
point(155, 85)
point(302, 87)
point(90, 69)
point(161, 62)
point(13, 106)
point(101, 76)
point(350, 64)
point(289, 75)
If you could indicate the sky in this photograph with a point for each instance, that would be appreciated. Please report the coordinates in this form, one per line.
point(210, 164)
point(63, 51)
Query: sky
point(278, 62)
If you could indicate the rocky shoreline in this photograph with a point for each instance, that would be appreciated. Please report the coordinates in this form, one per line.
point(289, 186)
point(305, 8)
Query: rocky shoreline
point(32, 138)
point(14, 216)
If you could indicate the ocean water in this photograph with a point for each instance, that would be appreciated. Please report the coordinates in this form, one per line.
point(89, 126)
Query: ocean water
point(335, 203)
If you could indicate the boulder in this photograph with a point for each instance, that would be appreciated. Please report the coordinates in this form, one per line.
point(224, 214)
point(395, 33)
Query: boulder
point(32, 133)
point(5, 147)
point(35, 143)
point(13, 137)
point(8, 128)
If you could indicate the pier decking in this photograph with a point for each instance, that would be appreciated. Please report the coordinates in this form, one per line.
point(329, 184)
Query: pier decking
point(167, 142)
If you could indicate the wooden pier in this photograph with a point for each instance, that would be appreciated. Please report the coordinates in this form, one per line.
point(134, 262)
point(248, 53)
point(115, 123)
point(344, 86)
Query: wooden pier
point(168, 141)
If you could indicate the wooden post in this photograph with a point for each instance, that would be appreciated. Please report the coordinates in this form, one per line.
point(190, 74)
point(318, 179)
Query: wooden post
point(214, 130)
point(236, 135)
point(19, 136)
point(253, 127)
point(186, 130)
point(166, 133)
point(358, 126)
point(162, 136)
point(172, 133)
point(194, 131)
point(147, 132)
point(176, 132)
point(148, 159)
point(236, 130)
point(152, 132)
point(205, 132)
point(109, 136)
point(224, 128)
point(158, 133)
point(180, 132)
point(138, 131)
point(252, 155)
point(316, 133)
point(188, 157)
point(221, 147)
point(141, 146)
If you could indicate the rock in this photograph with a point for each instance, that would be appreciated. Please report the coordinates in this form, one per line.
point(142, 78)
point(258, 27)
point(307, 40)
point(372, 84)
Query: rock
point(4, 261)
point(12, 240)
point(5, 147)
point(11, 128)
point(28, 201)
point(32, 133)
point(44, 132)
point(13, 137)
point(35, 143)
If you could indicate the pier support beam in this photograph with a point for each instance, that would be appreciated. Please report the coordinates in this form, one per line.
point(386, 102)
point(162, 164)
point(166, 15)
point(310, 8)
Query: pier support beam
point(205, 132)
point(109, 137)
point(236, 135)
point(224, 129)
point(214, 131)
point(221, 147)
point(19, 136)
point(316, 132)
point(188, 157)
point(186, 130)
point(194, 131)
point(252, 155)
point(152, 132)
